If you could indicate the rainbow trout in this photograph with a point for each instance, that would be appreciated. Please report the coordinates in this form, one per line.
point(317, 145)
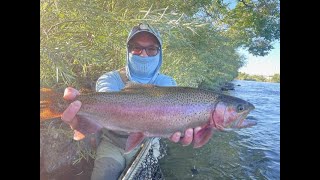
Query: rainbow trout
point(153, 111)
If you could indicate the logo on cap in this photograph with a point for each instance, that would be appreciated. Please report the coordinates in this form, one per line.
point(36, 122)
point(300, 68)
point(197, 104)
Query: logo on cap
point(144, 27)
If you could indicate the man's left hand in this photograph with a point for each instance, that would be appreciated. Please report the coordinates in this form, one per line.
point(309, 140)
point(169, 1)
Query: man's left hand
point(187, 138)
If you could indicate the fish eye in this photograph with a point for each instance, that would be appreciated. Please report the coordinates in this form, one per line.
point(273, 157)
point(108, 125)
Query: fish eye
point(240, 108)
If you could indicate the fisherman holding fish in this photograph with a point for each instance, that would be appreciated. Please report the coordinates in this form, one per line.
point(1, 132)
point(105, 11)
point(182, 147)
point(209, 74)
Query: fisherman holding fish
point(144, 60)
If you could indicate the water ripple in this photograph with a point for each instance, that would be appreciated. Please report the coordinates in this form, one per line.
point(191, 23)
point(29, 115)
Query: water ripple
point(251, 153)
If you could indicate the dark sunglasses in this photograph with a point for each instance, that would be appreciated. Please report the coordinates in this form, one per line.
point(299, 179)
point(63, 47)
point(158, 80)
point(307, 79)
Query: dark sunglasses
point(137, 50)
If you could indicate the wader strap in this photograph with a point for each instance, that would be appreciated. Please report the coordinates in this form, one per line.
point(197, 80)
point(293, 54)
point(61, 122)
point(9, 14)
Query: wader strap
point(123, 75)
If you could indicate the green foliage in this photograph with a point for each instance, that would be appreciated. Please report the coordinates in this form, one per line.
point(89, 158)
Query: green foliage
point(275, 78)
point(81, 39)
point(252, 24)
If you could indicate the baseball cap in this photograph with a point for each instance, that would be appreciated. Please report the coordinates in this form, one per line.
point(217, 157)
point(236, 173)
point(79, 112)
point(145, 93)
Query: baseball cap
point(142, 27)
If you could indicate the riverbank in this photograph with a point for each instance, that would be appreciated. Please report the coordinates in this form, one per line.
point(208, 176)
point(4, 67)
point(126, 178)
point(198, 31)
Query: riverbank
point(259, 78)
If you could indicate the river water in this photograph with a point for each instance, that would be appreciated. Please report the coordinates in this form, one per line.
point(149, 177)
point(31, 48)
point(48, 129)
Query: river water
point(250, 153)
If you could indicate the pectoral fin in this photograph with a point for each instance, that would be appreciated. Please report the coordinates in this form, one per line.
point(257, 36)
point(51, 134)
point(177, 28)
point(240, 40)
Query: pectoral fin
point(202, 136)
point(134, 140)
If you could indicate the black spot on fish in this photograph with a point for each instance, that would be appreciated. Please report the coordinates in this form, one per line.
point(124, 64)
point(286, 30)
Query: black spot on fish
point(194, 171)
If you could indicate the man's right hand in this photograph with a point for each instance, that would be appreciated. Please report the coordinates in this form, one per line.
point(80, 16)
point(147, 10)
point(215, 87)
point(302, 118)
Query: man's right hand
point(69, 115)
point(80, 127)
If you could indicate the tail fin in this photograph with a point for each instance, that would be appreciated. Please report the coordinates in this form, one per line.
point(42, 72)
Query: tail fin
point(50, 104)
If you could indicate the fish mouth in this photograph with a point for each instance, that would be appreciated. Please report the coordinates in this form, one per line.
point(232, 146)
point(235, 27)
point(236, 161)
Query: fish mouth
point(243, 122)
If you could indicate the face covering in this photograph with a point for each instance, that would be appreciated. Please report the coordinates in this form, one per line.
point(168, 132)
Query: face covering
point(143, 69)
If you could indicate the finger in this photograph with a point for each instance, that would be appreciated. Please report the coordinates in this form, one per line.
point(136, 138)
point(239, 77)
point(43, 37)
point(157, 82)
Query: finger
point(70, 93)
point(196, 130)
point(78, 135)
point(68, 115)
point(188, 136)
point(175, 137)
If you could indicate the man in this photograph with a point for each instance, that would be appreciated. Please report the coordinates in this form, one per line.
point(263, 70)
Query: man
point(144, 60)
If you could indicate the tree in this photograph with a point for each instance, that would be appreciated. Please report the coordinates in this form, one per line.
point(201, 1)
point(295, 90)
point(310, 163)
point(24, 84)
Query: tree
point(252, 24)
point(80, 40)
point(275, 78)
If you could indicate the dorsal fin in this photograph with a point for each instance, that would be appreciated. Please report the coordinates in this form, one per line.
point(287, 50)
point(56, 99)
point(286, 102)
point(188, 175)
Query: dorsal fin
point(132, 85)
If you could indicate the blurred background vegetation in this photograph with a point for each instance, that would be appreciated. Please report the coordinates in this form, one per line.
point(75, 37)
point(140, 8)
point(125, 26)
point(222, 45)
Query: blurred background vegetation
point(274, 78)
point(82, 39)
